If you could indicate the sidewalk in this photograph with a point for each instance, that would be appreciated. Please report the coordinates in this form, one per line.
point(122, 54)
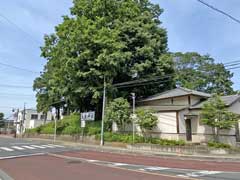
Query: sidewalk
point(90, 147)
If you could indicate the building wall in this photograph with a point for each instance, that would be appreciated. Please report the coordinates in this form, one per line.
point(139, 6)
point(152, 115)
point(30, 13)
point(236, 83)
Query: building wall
point(29, 122)
point(183, 100)
point(166, 122)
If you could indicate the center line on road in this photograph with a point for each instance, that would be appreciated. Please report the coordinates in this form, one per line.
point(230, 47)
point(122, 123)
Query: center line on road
point(6, 149)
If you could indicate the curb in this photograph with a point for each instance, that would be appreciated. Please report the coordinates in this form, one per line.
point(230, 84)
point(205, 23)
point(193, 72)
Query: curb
point(110, 149)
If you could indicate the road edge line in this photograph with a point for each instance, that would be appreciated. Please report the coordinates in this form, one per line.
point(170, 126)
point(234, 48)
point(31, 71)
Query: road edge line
point(21, 156)
point(115, 167)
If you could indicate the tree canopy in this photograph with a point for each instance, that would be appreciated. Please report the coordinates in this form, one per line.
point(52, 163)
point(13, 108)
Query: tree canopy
point(119, 40)
point(115, 39)
point(202, 73)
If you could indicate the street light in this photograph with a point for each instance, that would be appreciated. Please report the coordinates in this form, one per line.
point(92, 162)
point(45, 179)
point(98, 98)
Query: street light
point(103, 112)
point(133, 117)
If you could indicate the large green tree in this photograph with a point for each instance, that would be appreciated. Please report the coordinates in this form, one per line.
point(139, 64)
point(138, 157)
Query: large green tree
point(202, 73)
point(102, 38)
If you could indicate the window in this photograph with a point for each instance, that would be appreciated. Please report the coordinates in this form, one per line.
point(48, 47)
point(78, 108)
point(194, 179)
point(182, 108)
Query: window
point(34, 116)
point(42, 117)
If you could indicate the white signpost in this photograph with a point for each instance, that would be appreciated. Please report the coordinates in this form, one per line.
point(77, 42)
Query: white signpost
point(83, 124)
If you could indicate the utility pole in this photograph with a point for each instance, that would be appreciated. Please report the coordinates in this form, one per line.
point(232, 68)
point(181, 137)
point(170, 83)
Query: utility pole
point(55, 129)
point(133, 117)
point(23, 120)
point(103, 112)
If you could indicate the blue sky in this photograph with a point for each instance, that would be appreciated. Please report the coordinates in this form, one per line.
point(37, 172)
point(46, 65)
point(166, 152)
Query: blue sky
point(190, 25)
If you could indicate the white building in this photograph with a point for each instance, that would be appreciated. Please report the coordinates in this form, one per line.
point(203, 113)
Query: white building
point(178, 112)
point(32, 119)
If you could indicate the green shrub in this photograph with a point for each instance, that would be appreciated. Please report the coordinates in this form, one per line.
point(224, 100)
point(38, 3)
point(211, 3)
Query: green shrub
point(218, 145)
point(71, 130)
point(31, 131)
point(93, 131)
point(47, 130)
point(127, 138)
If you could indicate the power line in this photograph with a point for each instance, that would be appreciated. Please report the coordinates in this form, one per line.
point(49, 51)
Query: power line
point(15, 86)
point(19, 28)
point(24, 95)
point(230, 62)
point(234, 64)
point(219, 11)
point(157, 78)
point(233, 68)
point(18, 68)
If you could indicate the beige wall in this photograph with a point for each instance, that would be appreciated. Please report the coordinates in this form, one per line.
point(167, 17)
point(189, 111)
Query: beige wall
point(195, 99)
point(166, 122)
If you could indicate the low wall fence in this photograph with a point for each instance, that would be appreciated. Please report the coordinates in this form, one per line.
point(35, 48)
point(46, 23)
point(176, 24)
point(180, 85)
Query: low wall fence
point(187, 149)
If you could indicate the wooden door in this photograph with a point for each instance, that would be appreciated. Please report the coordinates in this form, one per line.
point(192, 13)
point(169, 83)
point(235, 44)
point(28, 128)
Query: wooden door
point(188, 130)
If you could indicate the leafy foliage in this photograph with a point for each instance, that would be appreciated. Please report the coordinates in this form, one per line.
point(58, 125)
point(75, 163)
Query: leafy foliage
point(218, 145)
point(146, 120)
point(127, 138)
point(2, 119)
point(215, 115)
point(115, 39)
point(69, 125)
point(202, 73)
point(118, 111)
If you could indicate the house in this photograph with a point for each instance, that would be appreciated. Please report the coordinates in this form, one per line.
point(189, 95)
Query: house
point(178, 111)
point(31, 120)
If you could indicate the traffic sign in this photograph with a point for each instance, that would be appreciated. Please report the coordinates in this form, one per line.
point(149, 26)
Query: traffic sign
point(88, 116)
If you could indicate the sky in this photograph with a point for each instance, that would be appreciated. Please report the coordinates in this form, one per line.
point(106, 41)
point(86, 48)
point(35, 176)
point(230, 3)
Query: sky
point(190, 25)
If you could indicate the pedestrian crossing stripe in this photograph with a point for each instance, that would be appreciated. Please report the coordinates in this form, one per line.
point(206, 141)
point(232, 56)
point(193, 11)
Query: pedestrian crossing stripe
point(29, 147)
point(17, 147)
point(6, 149)
point(37, 146)
point(56, 145)
point(48, 146)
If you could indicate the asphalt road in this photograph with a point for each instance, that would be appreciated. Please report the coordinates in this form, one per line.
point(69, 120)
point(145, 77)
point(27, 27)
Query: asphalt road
point(33, 160)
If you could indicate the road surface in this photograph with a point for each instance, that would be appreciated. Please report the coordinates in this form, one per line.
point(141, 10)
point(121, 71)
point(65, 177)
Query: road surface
point(33, 160)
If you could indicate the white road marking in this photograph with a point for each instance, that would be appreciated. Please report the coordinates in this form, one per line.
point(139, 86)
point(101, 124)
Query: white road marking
point(37, 146)
point(17, 147)
point(48, 146)
point(6, 149)
point(119, 164)
point(56, 145)
point(28, 147)
point(13, 157)
point(199, 173)
point(156, 168)
point(90, 160)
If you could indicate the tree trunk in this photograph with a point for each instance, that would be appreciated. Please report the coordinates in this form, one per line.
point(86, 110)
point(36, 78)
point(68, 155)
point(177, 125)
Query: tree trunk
point(58, 113)
point(214, 134)
point(45, 118)
point(237, 131)
point(217, 135)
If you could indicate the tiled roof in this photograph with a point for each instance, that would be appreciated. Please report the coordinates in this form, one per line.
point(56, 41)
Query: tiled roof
point(228, 100)
point(175, 93)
